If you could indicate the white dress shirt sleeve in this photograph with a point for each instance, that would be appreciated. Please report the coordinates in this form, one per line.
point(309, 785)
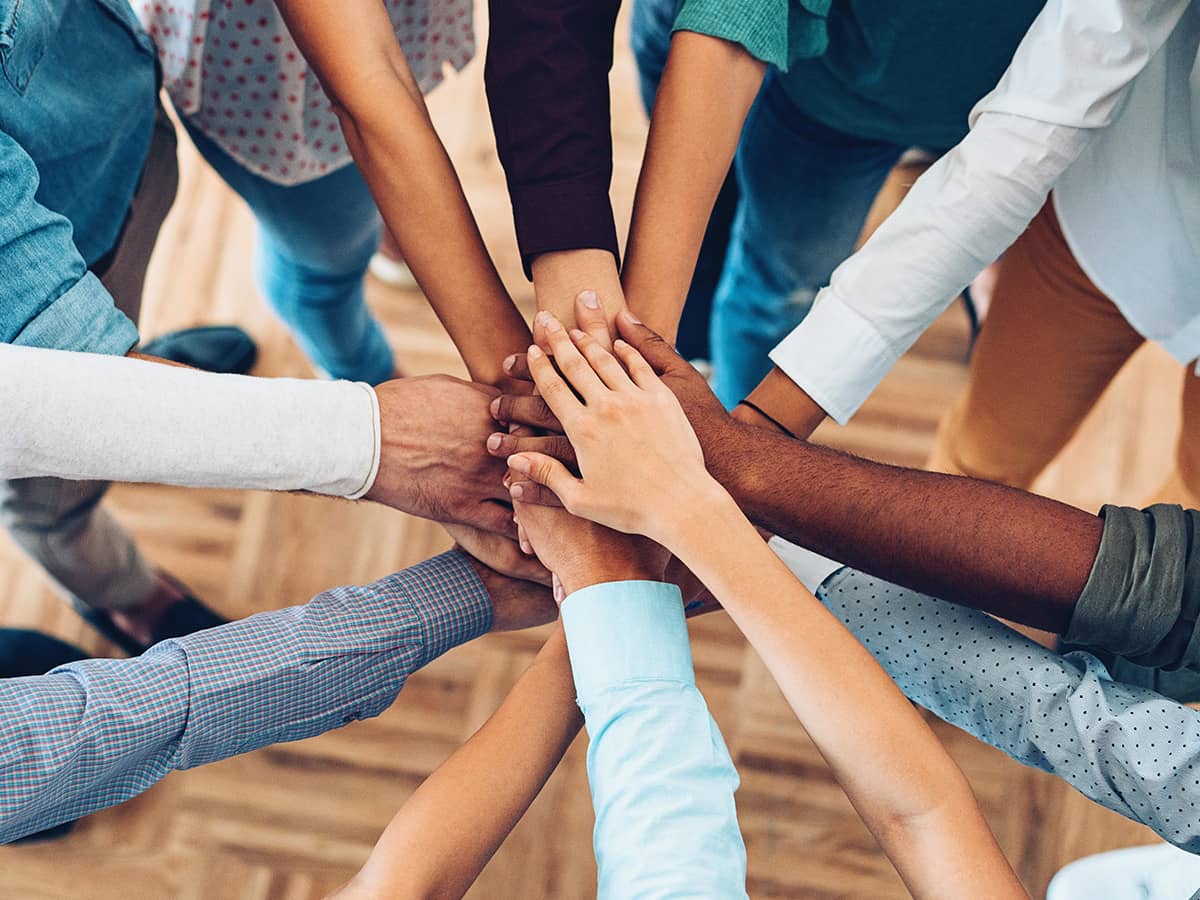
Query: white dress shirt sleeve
point(1068, 78)
point(91, 416)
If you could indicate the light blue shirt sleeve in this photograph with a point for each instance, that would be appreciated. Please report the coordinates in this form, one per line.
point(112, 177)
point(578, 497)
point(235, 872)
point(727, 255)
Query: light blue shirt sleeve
point(1127, 748)
point(95, 733)
point(661, 777)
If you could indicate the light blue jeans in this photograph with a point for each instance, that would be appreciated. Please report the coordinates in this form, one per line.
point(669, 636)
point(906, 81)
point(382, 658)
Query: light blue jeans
point(805, 191)
point(315, 242)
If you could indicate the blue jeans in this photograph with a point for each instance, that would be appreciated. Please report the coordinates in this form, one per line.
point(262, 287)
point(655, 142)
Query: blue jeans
point(805, 194)
point(315, 242)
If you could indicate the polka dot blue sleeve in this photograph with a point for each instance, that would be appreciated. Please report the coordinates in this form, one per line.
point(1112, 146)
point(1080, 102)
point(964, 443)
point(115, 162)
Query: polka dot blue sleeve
point(1127, 748)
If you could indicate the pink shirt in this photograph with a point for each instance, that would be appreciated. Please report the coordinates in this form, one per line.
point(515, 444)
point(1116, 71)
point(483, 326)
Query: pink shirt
point(232, 68)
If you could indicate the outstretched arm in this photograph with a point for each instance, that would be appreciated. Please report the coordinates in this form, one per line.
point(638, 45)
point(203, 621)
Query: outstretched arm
point(443, 836)
point(643, 472)
point(706, 91)
point(353, 48)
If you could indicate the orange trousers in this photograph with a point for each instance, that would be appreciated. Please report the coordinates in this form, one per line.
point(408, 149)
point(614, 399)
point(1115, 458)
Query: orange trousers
point(1051, 344)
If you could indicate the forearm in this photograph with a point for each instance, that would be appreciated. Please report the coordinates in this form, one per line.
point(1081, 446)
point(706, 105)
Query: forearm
point(98, 732)
point(1020, 556)
point(905, 786)
point(446, 832)
point(389, 133)
point(1062, 715)
point(706, 91)
point(86, 415)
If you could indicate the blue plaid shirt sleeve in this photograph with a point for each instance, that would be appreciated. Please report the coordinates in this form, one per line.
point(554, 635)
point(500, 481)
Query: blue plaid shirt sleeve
point(96, 733)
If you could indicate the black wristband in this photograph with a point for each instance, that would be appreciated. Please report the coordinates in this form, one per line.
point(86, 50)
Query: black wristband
point(769, 418)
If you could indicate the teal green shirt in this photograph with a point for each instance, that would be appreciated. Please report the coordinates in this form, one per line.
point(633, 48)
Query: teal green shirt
point(904, 71)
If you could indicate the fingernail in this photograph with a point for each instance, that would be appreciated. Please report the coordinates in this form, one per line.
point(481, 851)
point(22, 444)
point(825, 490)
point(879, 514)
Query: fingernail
point(493, 442)
point(519, 464)
point(618, 343)
point(577, 335)
point(527, 548)
point(552, 324)
point(534, 353)
point(541, 318)
point(630, 317)
point(590, 299)
point(494, 406)
point(517, 491)
point(509, 362)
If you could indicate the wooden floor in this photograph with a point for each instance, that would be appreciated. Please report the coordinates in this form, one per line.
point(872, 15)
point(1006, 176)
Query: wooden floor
point(295, 820)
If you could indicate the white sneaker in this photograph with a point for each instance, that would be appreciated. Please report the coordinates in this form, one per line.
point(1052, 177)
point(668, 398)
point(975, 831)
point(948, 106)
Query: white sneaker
point(1154, 872)
point(392, 272)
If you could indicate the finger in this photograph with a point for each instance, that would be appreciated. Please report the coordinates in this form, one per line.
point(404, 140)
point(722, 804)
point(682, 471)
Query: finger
point(531, 411)
point(517, 367)
point(558, 396)
point(639, 370)
point(658, 353)
point(570, 361)
point(533, 493)
point(548, 472)
point(559, 594)
point(556, 445)
point(591, 318)
point(495, 517)
point(602, 362)
point(523, 540)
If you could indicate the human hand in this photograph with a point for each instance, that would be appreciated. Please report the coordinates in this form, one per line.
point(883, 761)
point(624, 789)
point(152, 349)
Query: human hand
point(433, 463)
point(516, 604)
point(498, 552)
point(642, 465)
point(581, 553)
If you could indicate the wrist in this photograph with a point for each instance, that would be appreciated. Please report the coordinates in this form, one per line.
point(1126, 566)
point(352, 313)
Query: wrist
point(779, 404)
point(704, 513)
point(577, 577)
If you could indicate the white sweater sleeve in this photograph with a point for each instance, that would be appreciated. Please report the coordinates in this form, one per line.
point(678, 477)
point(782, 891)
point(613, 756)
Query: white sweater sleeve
point(1068, 78)
point(92, 416)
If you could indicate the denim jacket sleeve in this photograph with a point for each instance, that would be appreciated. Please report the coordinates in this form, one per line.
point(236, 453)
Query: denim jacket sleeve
point(48, 298)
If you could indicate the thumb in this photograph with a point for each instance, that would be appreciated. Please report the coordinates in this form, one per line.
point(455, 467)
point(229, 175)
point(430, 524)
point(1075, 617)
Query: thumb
point(548, 471)
point(590, 318)
point(661, 355)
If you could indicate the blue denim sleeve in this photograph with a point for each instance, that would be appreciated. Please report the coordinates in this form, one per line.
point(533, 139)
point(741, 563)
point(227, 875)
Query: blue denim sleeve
point(661, 777)
point(47, 296)
point(98, 732)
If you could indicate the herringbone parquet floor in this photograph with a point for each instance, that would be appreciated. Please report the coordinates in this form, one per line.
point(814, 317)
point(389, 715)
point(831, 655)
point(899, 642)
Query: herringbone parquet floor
point(292, 822)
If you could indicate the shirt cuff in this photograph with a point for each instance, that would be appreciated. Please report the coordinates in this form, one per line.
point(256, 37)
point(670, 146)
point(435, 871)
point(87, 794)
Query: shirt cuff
point(449, 600)
point(376, 445)
point(1142, 597)
point(836, 356)
point(812, 569)
point(83, 318)
point(625, 631)
point(760, 28)
point(568, 215)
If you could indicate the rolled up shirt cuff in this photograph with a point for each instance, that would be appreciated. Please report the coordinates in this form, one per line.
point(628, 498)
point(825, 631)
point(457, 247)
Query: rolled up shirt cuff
point(1142, 597)
point(83, 318)
point(625, 631)
point(376, 445)
point(836, 356)
point(566, 215)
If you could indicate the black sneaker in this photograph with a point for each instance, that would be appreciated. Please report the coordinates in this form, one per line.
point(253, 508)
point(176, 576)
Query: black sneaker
point(213, 348)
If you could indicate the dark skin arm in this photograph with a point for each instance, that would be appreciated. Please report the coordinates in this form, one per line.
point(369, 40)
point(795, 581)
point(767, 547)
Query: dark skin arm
point(983, 545)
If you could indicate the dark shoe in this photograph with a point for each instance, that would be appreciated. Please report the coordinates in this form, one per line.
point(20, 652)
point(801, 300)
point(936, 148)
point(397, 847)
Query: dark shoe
point(24, 652)
point(213, 348)
point(183, 617)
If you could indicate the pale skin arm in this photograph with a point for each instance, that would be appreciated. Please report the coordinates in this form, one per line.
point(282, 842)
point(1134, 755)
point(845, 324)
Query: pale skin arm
point(706, 91)
point(643, 472)
point(448, 830)
point(353, 48)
